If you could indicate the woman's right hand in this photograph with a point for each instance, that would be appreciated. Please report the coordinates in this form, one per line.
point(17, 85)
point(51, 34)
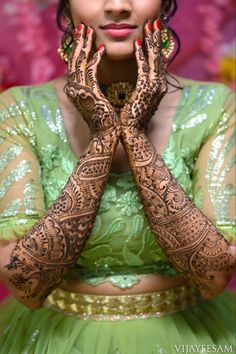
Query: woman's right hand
point(82, 87)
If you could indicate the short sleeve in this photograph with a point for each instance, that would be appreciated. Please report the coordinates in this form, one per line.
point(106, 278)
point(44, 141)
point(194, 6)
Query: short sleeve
point(21, 196)
point(214, 186)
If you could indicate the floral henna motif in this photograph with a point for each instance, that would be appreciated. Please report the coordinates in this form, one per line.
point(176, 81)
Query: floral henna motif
point(51, 247)
point(83, 89)
point(192, 243)
point(151, 84)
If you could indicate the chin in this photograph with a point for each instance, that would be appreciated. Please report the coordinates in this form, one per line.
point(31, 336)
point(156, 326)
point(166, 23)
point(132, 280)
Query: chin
point(119, 50)
point(119, 56)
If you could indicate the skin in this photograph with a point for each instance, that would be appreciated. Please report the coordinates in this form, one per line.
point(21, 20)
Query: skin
point(49, 250)
point(31, 275)
point(169, 207)
point(197, 254)
point(189, 239)
point(119, 63)
point(101, 12)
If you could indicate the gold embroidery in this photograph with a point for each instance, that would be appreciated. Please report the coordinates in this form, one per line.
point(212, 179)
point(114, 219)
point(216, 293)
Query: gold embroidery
point(117, 307)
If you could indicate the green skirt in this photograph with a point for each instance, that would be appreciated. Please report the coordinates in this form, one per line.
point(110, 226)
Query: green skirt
point(206, 328)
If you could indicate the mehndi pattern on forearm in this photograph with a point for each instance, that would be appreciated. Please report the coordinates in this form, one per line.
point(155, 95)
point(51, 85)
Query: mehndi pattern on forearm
point(49, 250)
point(189, 239)
point(51, 247)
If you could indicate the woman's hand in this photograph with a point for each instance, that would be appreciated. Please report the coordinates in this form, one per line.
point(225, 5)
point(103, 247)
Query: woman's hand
point(83, 88)
point(151, 82)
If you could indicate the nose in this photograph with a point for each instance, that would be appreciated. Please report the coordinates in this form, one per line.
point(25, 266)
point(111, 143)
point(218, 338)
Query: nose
point(117, 8)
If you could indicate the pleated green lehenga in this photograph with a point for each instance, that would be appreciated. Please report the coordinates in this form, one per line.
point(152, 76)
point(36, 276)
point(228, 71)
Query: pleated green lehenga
point(43, 331)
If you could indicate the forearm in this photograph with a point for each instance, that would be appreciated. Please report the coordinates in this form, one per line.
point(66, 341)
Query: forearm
point(41, 259)
point(189, 239)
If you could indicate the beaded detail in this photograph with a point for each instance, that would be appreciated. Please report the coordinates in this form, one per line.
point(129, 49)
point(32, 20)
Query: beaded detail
point(118, 94)
point(123, 307)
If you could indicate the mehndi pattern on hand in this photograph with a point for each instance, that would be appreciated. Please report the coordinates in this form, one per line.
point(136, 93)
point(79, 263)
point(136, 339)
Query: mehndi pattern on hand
point(189, 239)
point(51, 247)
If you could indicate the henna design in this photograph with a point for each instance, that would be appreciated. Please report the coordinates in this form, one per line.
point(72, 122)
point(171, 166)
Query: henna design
point(83, 89)
point(47, 252)
point(192, 243)
point(150, 88)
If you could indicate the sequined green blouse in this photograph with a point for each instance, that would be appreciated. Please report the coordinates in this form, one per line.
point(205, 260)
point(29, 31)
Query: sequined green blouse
point(36, 161)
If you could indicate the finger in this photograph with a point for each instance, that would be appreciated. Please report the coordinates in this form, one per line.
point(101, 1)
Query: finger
point(160, 64)
point(78, 45)
point(143, 69)
point(148, 29)
point(156, 57)
point(157, 33)
point(82, 60)
point(91, 71)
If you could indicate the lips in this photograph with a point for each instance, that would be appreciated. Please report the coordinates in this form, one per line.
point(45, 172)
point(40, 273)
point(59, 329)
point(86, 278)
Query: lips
point(118, 26)
point(121, 30)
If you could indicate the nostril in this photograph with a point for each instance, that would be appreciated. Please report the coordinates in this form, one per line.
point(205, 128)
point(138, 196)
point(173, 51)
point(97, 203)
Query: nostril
point(118, 13)
point(118, 8)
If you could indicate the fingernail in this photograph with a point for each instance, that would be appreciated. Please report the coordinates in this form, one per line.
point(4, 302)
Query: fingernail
point(101, 47)
point(150, 26)
point(88, 32)
point(158, 23)
point(77, 30)
point(139, 42)
point(76, 33)
point(79, 27)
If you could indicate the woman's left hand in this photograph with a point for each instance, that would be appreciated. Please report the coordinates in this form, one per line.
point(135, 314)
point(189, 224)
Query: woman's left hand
point(151, 82)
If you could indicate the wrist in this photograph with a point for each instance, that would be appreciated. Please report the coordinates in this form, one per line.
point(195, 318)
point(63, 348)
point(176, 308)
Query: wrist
point(102, 122)
point(131, 127)
point(107, 139)
point(131, 132)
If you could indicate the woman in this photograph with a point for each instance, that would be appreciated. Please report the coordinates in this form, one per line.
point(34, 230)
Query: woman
point(97, 266)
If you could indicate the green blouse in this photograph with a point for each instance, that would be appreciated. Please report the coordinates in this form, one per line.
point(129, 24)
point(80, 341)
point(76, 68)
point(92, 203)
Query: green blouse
point(36, 161)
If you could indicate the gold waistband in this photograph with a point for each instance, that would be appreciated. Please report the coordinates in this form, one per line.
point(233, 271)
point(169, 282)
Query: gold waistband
point(127, 307)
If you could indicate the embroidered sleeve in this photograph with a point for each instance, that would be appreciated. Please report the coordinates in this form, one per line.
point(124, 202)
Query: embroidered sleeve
point(214, 189)
point(21, 197)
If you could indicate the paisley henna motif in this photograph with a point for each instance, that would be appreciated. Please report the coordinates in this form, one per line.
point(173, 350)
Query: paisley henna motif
point(50, 248)
point(192, 243)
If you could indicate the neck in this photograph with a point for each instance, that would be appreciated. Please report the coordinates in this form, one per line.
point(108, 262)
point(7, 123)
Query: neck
point(111, 71)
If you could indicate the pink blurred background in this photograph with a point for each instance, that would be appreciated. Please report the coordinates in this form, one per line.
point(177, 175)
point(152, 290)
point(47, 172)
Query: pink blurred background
point(29, 40)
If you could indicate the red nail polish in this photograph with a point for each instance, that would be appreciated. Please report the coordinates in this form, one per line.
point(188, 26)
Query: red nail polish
point(150, 26)
point(158, 23)
point(101, 47)
point(88, 32)
point(76, 33)
point(77, 30)
point(139, 42)
point(79, 27)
